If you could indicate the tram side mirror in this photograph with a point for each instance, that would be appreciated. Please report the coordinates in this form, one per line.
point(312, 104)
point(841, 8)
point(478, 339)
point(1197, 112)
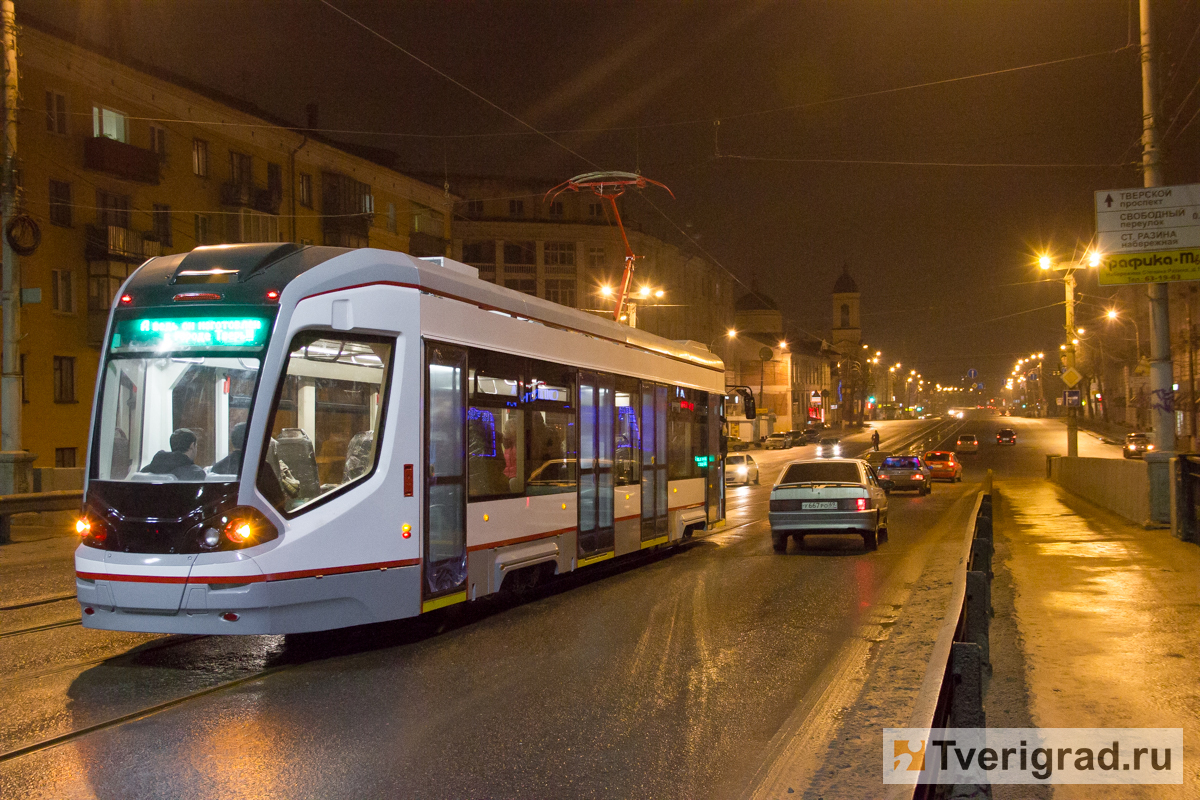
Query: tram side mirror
point(748, 401)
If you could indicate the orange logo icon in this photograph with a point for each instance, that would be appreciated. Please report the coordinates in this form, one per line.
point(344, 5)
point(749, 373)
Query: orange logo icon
point(916, 758)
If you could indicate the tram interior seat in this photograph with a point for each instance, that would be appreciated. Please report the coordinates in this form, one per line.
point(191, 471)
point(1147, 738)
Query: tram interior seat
point(359, 455)
point(294, 448)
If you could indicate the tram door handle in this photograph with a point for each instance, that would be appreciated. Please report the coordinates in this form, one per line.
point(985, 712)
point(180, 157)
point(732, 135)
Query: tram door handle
point(408, 480)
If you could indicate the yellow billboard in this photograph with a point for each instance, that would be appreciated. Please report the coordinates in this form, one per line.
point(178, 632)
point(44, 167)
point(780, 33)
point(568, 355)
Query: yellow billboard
point(1165, 267)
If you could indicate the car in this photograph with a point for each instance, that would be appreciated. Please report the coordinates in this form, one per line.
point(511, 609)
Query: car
point(876, 457)
point(811, 434)
point(797, 438)
point(966, 443)
point(829, 447)
point(733, 444)
point(943, 466)
point(906, 473)
point(741, 469)
point(1136, 445)
point(1006, 436)
point(828, 496)
point(778, 441)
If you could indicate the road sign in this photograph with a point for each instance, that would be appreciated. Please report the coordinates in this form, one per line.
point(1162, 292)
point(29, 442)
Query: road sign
point(972, 373)
point(1173, 265)
point(1154, 219)
point(1071, 376)
point(1071, 398)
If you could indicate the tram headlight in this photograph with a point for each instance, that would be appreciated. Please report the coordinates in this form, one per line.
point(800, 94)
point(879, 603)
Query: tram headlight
point(92, 533)
point(234, 529)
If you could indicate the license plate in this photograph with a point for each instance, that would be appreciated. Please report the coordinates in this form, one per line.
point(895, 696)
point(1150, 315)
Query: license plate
point(820, 505)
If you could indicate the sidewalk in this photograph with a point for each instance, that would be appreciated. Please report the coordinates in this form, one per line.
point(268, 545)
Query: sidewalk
point(1095, 626)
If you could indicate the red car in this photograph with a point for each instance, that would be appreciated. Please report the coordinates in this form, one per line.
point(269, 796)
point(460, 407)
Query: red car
point(944, 466)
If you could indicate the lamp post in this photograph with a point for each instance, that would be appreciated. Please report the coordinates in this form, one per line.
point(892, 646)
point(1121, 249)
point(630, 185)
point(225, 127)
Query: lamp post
point(1068, 278)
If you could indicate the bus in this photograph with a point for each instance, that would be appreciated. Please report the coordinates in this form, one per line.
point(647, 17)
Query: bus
point(291, 438)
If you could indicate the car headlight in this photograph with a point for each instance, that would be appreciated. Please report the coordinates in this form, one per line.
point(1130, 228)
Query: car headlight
point(1149, 447)
point(742, 470)
point(820, 450)
point(837, 451)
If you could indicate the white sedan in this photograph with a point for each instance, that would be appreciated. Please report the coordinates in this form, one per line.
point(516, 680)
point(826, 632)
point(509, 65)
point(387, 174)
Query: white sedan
point(740, 469)
point(828, 495)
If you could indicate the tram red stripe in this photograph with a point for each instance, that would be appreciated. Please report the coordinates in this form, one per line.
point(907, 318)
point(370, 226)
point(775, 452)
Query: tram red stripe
point(631, 516)
point(487, 307)
point(685, 508)
point(274, 576)
point(519, 540)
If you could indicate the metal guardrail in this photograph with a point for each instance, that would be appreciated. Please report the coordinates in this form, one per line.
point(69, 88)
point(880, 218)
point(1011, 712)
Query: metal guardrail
point(951, 694)
point(10, 504)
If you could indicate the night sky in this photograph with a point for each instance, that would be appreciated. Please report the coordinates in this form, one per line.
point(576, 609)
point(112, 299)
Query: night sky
point(941, 253)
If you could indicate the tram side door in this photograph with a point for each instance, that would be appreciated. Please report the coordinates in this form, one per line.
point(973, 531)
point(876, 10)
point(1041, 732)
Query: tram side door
point(654, 461)
point(715, 470)
point(445, 531)
point(597, 410)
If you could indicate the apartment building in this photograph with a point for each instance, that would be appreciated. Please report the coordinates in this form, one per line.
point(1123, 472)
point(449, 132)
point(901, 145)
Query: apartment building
point(120, 162)
point(570, 251)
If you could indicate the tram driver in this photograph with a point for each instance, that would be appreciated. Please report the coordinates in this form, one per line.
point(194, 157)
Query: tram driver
point(180, 461)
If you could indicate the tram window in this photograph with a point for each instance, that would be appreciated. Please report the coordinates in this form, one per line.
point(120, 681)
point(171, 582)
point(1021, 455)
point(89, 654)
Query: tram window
point(174, 418)
point(681, 430)
point(627, 456)
point(494, 375)
point(553, 463)
point(495, 451)
point(327, 420)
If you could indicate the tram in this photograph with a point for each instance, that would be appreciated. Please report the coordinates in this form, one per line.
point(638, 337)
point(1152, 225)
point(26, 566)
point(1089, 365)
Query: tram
point(291, 438)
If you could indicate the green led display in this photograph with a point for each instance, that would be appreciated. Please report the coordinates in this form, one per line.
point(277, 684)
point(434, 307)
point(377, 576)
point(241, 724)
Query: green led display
point(701, 461)
point(190, 333)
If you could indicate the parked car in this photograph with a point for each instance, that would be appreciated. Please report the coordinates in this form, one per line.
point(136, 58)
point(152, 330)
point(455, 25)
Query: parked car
point(943, 466)
point(875, 457)
point(1006, 436)
point(1137, 445)
point(907, 473)
point(967, 443)
point(734, 444)
point(741, 469)
point(796, 438)
point(778, 441)
point(828, 496)
point(829, 447)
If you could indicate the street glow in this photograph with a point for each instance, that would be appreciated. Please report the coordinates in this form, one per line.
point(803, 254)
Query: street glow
point(1094, 259)
point(659, 293)
point(1044, 262)
point(606, 290)
point(1112, 313)
point(644, 291)
point(731, 333)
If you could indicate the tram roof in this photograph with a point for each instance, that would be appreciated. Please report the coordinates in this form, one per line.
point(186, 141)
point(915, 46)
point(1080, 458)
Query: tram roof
point(242, 273)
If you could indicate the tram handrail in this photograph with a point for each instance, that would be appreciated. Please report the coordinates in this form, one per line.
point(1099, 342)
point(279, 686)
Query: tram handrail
point(10, 504)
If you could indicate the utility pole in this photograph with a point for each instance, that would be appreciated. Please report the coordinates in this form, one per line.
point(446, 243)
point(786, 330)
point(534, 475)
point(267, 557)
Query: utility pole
point(1072, 411)
point(1191, 346)
point(14, 465)
point(1162, 395)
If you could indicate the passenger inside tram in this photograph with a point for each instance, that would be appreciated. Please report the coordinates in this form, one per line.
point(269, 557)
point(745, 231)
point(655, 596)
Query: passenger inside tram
point(179, 460)
point(232, 463)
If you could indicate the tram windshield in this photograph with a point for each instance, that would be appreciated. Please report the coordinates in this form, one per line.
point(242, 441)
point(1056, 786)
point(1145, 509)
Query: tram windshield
point(176, 399)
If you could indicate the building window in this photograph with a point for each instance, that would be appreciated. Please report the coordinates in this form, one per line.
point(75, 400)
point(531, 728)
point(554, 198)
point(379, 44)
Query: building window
point(845, 316)
point(274, 180)
point(110, 124)
point(516, 208)
point(56, 112)
point(64, 379)
point(158, 140)
point(305, 193)
point(520, 266)
point(64, 457)
point(559, 254)
point(475, 208)
point(161, 220)
point(479, 252)
point(239, 169)
point(426, 220)
point(368, 208)
point(561, 290)
point(596, 258)
point(63, 290)
point(556, 208)
point(391, 217)
point(249, 225)
point(595, 210)
point(112, 210)
point(200, 157)
point(60, 203)
point(201, 229)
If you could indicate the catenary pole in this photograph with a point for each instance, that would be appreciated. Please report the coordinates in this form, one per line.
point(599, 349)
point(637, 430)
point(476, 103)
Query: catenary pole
point(10, 292)
point(1072, 411)
point(1162, 395)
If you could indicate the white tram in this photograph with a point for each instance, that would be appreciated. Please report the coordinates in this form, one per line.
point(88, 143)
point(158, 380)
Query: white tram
point(291, 439)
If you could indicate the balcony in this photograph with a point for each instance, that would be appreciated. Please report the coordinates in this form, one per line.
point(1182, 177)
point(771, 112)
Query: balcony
point(358, 225)
point(114, 243)
point(244, 195)
point(122, 160)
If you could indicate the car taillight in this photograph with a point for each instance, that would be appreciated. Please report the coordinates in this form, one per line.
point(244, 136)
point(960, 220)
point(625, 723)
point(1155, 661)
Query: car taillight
point(861, 504)
point(918, 476)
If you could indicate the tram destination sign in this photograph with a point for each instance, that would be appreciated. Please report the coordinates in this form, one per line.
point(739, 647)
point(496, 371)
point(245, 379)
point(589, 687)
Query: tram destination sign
point(1148, 235)
point(190, 333)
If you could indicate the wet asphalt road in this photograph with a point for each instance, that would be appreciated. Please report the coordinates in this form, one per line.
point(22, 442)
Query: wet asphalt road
point(661, 676)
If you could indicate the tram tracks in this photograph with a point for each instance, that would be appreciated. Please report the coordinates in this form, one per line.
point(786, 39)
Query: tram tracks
point(44, 601)
point(49, 626)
